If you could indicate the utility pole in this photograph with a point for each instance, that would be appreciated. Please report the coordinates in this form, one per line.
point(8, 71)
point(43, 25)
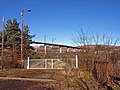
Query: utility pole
point(2, 43)
point(45, 47)
point(44, 38)
point(23, 28)
point(53, 39)
point(22, 38)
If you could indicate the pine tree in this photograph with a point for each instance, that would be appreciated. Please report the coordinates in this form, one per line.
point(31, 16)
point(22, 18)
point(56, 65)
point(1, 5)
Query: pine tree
point(12, 42)
point(12, 33)
point(26, 42)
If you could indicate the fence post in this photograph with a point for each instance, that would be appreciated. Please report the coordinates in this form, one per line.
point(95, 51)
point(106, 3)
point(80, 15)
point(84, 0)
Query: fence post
point(28, 63)
point(45, 48)
point(45, 63)
point(76, 61)
point(52, 63)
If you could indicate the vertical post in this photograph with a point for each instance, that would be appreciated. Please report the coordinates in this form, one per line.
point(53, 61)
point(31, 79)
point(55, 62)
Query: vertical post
point(107, 74)
point(22, 31)
point(2, 43)
point(76, 61)
point(67, 49)
point(28, 63)
point(45, 63)
point(53, 39)
point(60, 49)
point(44, 38)
point(52, 63)
point(45, 48)
point(22, 38)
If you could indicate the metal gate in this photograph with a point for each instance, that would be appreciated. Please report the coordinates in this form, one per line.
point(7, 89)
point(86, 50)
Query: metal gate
point(50, 63)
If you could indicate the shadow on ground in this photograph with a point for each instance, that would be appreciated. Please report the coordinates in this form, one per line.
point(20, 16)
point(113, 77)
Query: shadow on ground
point(23, 85)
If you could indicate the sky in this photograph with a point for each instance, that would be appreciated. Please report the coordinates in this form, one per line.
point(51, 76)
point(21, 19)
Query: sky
point(61, 19)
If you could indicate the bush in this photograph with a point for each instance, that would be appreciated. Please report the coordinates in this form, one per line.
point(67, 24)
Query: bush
point(11, 64)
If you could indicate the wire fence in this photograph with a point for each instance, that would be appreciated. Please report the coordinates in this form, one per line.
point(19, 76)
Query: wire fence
point(51, 63)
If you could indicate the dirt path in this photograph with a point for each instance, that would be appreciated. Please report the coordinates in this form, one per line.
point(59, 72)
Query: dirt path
point(7, 83)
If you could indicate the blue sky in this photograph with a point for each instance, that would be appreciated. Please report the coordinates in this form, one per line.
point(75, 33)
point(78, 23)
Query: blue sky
point(61, 18)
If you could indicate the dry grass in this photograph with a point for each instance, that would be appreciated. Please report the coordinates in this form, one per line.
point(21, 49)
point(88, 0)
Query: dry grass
point(24, 73)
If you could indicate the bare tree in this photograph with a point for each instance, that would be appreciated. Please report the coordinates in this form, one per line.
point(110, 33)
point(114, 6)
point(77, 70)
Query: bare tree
point(98, 50)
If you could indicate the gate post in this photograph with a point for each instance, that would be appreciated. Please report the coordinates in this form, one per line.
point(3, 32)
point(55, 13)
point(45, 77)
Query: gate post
point(45, 48)
point(45, 63)
point(76, 61)
point(28, 63)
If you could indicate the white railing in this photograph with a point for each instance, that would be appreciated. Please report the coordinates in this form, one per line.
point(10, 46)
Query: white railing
point(50, 63)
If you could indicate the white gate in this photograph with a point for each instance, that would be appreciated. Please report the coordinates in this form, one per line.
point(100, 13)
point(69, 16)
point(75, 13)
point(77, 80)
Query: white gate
point(50, 63)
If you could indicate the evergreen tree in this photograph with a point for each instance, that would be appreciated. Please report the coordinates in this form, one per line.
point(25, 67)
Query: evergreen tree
point(26, 42)
point(12, 41)
point(12, 34)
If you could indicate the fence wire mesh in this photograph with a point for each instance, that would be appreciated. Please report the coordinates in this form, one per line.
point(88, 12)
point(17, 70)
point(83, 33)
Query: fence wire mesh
point(50, 63)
